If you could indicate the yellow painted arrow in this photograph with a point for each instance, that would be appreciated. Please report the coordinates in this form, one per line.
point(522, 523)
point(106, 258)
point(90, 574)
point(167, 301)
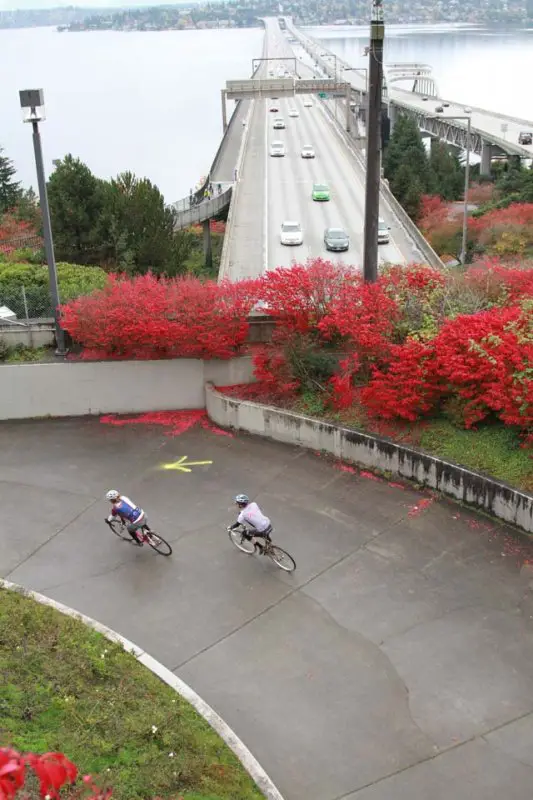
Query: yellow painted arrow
point(182, 465)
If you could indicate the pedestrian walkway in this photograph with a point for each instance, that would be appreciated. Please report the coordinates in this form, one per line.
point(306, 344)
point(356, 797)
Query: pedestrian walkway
point(395, 663)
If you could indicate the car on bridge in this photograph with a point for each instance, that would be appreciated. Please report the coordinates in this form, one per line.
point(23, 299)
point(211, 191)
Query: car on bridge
point(383, 232)
point(293, 112)
point(279, 124)
point(526, 137)
point(336, 239)
point(291, 233)
point(274, 108)
point(277, 149)
point(307, 151)
point(321, 192)
point(308, 103)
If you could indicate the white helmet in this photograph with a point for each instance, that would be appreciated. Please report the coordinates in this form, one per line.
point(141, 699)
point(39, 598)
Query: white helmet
point(112, 494)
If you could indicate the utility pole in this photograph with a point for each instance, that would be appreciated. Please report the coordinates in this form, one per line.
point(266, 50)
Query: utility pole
point(373, 142)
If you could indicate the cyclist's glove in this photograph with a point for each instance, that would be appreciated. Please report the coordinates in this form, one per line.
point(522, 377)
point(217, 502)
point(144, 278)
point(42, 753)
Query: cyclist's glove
point(234, 526)
point(110, 518)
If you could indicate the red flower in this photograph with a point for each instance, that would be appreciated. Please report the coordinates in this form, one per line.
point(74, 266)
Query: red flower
point(12, 773)
point(53, 770)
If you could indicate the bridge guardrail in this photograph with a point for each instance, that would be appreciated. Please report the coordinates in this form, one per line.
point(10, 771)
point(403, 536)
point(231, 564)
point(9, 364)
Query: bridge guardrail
point(224, 256)
point(204, 210)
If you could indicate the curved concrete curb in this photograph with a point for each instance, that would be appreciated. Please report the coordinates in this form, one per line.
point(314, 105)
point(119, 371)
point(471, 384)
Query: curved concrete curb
point(375, 452)
point(249, 762)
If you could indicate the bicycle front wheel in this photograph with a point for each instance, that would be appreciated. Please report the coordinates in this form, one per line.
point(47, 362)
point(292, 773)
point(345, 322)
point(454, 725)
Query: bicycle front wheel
point(157, 543)
point(120, 530)
point(244, 543)
point(281, 558)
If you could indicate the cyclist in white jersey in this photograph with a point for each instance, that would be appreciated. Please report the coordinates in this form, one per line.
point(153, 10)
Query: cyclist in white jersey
point(251, 516)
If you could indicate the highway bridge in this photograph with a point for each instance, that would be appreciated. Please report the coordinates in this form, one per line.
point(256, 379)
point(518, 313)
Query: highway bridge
point(492, 134)
point(261, 191)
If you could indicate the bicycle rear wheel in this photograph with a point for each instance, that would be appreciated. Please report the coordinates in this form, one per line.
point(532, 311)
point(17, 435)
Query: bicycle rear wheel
point(157, 543)
point(244, 543)
point(281, 558)
point(120, 530)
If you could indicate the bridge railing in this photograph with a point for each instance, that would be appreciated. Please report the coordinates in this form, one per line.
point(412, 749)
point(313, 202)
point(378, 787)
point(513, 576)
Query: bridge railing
point(207, 209)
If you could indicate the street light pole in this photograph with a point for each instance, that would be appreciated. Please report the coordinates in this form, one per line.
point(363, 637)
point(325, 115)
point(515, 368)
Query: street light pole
point(465, 203)
point(332, 55)
point(33, 99)
point(464, 242)
point(373, 143)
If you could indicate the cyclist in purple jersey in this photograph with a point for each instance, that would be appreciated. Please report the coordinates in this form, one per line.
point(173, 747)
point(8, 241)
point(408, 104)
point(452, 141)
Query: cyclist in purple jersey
point(126, 510)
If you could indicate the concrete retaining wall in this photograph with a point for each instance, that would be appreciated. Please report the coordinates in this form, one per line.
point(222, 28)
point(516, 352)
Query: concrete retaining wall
point(39, 333)
point(70, 389)
point(498, 499)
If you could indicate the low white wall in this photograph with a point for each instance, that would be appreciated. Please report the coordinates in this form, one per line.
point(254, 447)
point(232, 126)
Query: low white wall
point(68, 389)
point(38, 334)
point(375, 452)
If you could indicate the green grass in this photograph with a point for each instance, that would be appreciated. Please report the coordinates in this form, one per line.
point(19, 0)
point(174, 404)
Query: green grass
point(66, 688)
point(493, 449)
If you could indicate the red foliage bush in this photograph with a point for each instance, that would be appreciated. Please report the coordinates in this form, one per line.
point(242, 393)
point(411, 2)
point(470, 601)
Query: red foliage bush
point(300, 297)
point(53, 770)
point(485, 360)
point(502, 282)
point(145, 317)
point(434, 212)
point(16, 234)
point(515, 214)
point(408, 388)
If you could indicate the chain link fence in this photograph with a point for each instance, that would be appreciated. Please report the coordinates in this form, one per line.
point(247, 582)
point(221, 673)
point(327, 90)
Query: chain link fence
point(26, 318)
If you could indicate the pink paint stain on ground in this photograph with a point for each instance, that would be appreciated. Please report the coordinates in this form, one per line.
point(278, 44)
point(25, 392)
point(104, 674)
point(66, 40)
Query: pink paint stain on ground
point(177, 422)
point(369, 476)
point(420, 507)
point(345, 468)
point(396, 485)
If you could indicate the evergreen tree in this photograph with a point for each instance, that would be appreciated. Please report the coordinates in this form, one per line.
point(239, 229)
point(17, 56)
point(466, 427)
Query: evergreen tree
point(447, 170)
point(10, 191)
point(76, 204)
point(406, 164)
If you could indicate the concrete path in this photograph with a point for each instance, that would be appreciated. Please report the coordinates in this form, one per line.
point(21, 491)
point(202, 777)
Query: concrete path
point(395, 663)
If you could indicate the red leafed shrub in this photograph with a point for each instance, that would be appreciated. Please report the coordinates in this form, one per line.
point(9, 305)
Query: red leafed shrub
point(480, 193)
point(300, 297)
point(145, 317)
point(434, 211)
point(364, 315)
point(515, 214)
point(343, 392)
point(408, 388)
point(502, 282)
point(54, 772)
point(16, 234)
point(486, 361)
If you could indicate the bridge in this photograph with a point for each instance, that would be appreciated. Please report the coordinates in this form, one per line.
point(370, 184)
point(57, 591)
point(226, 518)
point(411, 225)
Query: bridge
point(321, 99)
point(492, 134)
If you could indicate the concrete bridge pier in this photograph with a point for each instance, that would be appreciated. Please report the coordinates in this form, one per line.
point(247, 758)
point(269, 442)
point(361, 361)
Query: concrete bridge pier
point(393, 116)
point(486, 158)
point(208, 247)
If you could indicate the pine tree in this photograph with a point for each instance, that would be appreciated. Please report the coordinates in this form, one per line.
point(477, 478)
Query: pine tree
point(446, 167)
point(406, 165)
point(10, 190)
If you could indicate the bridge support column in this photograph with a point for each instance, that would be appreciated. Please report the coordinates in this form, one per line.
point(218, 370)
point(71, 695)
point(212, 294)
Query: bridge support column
point(486, 156)
point(208, 249)
point(224, 112)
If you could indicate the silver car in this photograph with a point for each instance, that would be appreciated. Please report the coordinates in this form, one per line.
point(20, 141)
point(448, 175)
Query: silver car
point(383, 232)
point(336, 239)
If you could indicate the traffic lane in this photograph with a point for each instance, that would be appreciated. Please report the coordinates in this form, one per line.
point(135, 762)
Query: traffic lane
point(400, 249)
point(291, 184)
point(348, 183)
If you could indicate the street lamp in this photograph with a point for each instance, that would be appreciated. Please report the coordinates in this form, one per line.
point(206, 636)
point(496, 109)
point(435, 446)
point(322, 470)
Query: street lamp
point(467, 181)
point(32, 104)
point(358, 69)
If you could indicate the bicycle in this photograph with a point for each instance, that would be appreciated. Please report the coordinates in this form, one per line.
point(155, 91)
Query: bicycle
point(242, 537)
point(145, 535)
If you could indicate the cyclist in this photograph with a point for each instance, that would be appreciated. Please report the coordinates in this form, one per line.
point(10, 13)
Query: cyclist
point(123, 507)
point(251, 516)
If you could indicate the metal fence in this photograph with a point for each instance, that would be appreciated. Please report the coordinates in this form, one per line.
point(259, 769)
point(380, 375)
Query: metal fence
point(26, 317)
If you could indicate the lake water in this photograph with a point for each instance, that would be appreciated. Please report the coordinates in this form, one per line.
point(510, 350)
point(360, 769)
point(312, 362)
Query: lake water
point(478, 66)
point(150, 102)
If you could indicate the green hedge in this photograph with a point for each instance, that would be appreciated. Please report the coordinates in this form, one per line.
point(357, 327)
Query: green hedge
point(73, 279)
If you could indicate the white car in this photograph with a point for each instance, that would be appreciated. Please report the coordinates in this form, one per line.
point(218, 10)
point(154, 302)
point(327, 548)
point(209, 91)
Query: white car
point(308, 104)
point(307, 151)
point(383, 232)
point(291, 233)
point(277, 149)
point(279, 124)
point(293, 112)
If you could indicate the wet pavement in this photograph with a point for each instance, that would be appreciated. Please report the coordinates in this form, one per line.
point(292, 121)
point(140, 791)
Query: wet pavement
point(396, 662)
